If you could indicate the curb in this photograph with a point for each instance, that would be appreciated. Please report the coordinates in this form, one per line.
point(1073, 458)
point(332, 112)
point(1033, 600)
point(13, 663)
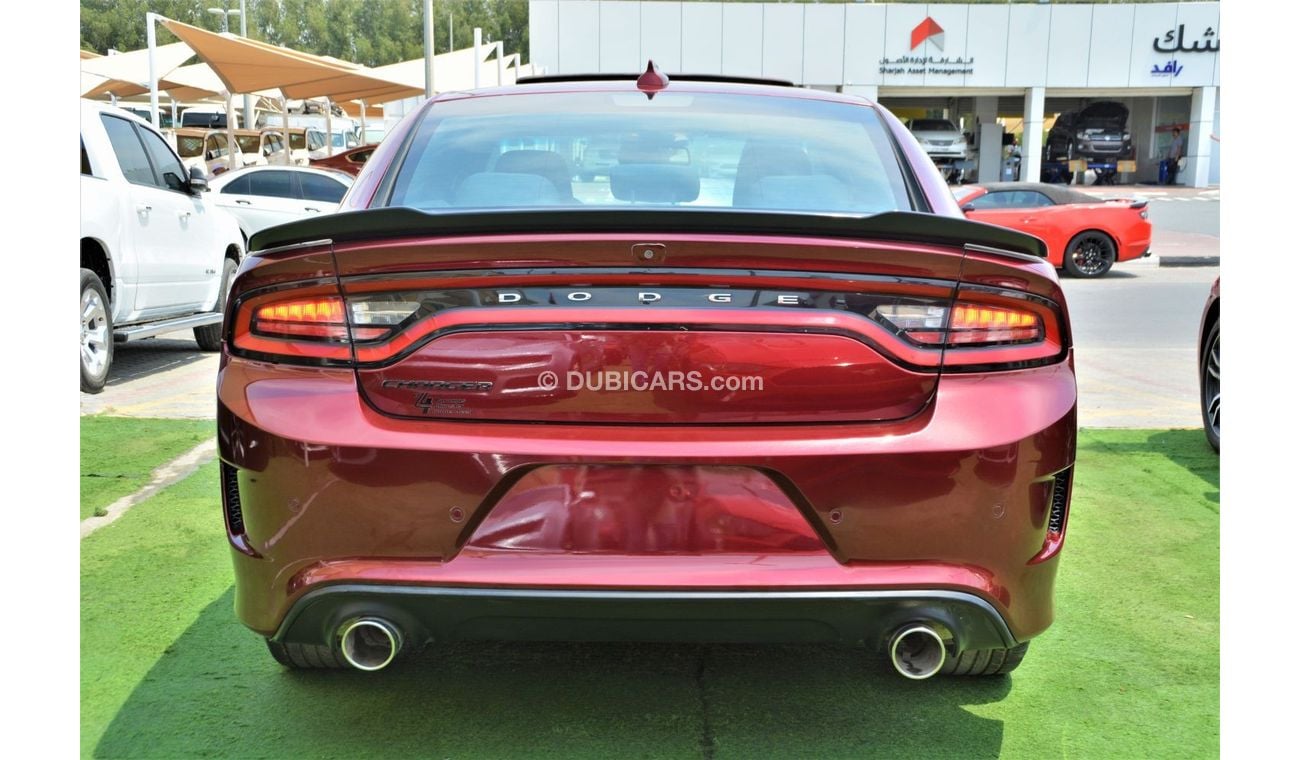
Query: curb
point(172, 472)
point(1187, 261)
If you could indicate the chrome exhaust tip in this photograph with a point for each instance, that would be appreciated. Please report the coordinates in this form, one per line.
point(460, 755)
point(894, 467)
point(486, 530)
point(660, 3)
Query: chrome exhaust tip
point(369, 643)
point(917, 652)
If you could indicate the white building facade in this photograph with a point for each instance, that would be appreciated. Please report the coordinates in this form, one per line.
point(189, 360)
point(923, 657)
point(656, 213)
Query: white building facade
point(1018, 64)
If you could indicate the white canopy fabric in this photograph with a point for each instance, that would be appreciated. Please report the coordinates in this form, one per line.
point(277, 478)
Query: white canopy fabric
point(133, 67)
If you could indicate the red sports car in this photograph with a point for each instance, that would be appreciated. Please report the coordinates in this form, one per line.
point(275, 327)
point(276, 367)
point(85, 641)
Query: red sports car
point(349, 161)
point(761, 381)
point(1085, 235)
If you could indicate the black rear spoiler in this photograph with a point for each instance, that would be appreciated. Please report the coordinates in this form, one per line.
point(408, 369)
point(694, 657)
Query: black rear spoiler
point(401, 222)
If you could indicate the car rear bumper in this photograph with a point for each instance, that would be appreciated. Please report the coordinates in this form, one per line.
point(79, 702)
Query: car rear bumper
point(330, 494)
point(854, 618)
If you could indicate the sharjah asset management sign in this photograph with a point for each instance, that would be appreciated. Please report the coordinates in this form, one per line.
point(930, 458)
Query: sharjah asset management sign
point(927, 34)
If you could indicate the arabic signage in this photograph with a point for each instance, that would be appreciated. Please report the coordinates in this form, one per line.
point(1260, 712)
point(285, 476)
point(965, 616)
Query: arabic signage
point(1174, 41)
point(927, 33)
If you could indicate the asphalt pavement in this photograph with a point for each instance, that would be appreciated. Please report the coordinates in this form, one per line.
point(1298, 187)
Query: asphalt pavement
point(1134, 331)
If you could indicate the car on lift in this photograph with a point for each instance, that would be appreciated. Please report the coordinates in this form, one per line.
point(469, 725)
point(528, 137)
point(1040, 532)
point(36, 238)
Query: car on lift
point(946, 145)
point(812, 402)
point(1097, 132)
point(1085, 234)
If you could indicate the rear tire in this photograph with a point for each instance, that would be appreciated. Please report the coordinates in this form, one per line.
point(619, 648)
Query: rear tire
point(985, 662)
point(96, 333)
point(209, 336)
point(304, 656)
point(1210, 386)
point(1089, 254)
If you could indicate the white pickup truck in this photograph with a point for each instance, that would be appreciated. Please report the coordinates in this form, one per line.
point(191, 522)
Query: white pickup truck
point(156, 256)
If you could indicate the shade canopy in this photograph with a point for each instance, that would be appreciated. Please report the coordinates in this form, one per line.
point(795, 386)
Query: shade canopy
point(249, 66)
point(133, 68)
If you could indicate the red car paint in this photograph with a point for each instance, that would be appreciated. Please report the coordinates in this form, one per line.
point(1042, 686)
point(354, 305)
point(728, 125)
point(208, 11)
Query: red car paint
point(861, 466)
point(349, 161)
point(1122, 219)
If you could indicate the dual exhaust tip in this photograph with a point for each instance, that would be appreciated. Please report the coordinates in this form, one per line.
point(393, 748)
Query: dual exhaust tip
point(916, 651)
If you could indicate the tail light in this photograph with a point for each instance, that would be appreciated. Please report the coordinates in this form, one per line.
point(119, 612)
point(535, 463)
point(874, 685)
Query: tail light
point(982, 329)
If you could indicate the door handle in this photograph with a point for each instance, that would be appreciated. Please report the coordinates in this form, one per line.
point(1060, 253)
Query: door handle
point(244, 203)
point(183, 214)
point(312, 209)
point(143, 208)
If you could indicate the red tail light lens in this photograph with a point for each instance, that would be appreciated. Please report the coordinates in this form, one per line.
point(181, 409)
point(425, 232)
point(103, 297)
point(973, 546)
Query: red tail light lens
point(965, 324)
point(303, 319)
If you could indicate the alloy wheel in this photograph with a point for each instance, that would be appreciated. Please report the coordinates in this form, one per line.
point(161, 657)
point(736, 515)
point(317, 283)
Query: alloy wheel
point(1211, 386)
point(1093, 255)
point(94, 332)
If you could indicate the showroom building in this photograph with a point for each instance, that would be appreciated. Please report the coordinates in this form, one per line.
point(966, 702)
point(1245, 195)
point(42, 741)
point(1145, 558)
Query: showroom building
point(988, 68)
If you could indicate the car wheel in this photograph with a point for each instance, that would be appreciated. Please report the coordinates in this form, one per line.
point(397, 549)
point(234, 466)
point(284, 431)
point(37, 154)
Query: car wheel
point(96, 333)
point(985, 662)
point(1089, 254)
point(304, 656)
point(209, 336)
point(1210, 386)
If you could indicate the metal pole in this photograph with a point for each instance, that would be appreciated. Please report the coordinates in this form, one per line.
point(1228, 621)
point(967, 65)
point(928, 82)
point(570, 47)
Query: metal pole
point(428, 48)
point(329, 128)
point(243, 32)
point(231, 145)
point(501, 64)
point(174, 117)
point(363, 123)
point(152, 40)
point(478, 57)
point(284, 120)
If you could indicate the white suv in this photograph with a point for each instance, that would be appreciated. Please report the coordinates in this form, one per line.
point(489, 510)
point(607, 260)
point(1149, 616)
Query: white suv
point(155, 255)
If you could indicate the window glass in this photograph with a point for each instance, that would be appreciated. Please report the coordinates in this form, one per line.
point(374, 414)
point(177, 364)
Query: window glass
point(993, 200)
point(237, 186)
point(248, 143)
point(169, 168)
point(360, 157)
point(274, 184)
point(298, 140)
point(85, 160)
point(130, 153)
point(318, 188)
point(315, 140)
point(603, 149)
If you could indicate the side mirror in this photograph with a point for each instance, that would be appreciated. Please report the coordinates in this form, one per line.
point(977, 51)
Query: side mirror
point(967, 208)
point(198, 180)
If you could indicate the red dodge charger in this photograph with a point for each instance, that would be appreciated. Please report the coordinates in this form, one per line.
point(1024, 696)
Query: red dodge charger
point(1085, 235)
point(758, 381)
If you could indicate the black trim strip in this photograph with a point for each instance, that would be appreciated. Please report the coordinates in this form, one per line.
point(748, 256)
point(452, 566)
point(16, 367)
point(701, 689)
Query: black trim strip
point(897, 226)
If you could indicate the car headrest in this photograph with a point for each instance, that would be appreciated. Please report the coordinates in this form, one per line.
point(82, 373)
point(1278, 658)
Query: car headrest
point(762, 159)
point(494, 189)
point(654, 183)
point(544, 163)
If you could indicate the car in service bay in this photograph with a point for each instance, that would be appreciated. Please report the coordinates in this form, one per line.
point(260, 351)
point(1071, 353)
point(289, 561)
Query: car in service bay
point(1086, 235)
point(264, 196)
point(487, 401)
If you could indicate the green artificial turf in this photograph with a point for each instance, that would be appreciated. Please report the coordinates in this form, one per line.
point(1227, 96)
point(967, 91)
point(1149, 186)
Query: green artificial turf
point(1130, 668)
point(118, 454)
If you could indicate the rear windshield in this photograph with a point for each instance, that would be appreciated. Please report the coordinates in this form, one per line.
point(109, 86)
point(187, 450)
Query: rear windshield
point(698, 150)
point(933, 125)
